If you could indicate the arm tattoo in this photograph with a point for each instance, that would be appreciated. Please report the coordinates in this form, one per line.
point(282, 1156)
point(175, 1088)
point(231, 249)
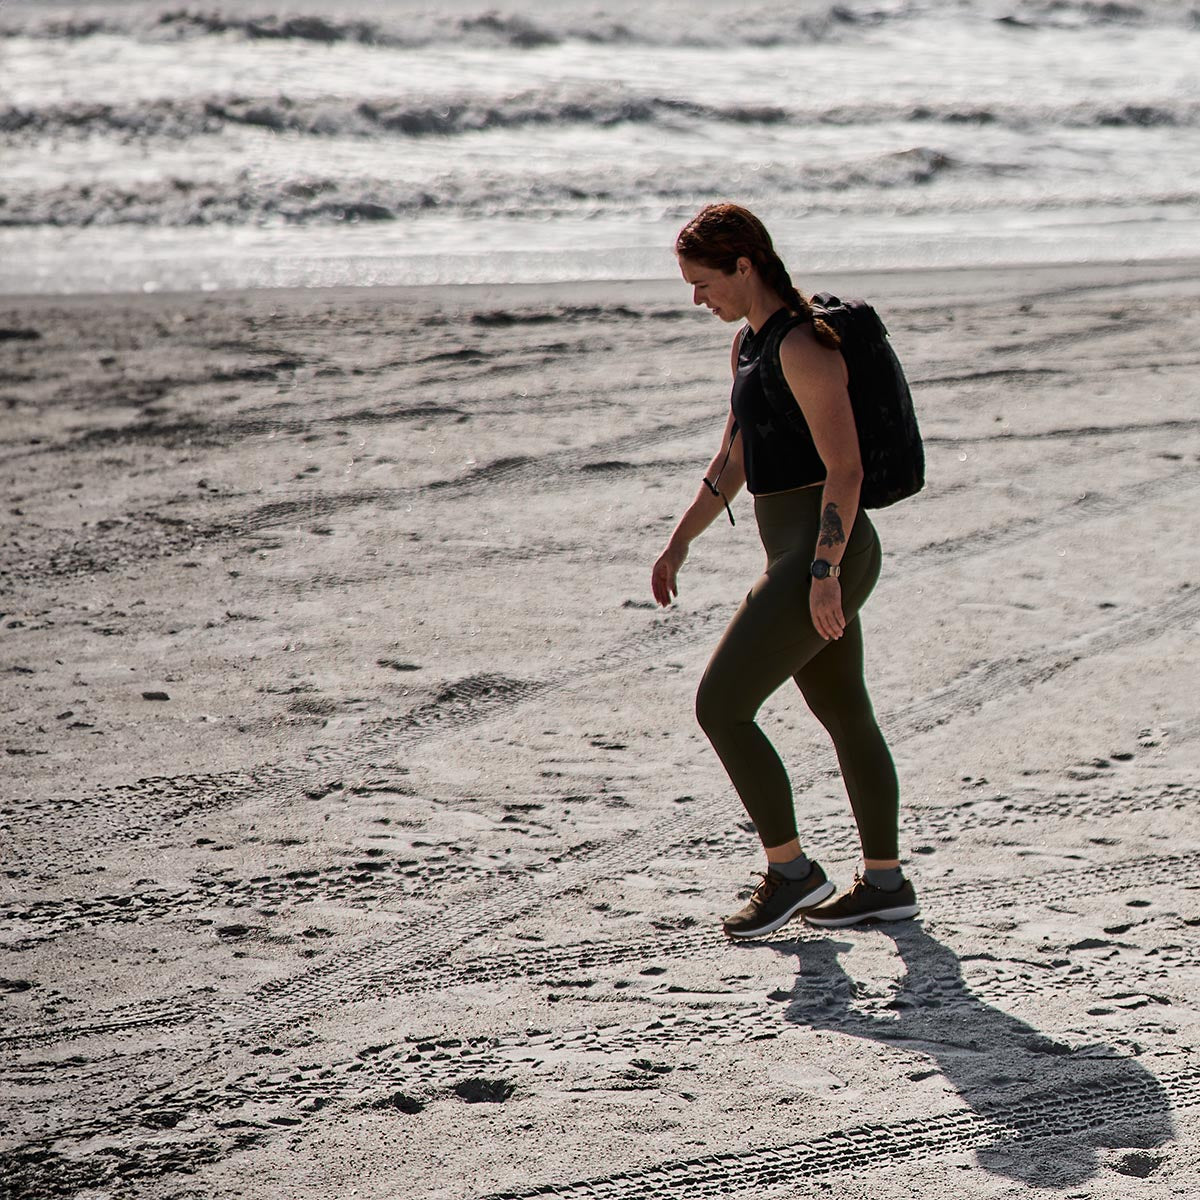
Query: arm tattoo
point(832, 533)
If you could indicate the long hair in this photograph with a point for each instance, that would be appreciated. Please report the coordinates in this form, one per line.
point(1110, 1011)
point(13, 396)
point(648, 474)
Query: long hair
point(719, 234)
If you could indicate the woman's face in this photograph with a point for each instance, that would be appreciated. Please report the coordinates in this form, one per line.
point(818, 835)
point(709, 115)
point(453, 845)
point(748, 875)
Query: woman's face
point(728, 296)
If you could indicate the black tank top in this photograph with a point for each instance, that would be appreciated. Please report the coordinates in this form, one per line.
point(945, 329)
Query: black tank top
point(776, 458)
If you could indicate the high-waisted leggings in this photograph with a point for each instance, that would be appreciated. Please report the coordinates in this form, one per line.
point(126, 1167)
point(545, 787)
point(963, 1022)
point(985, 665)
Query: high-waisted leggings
point(772, 637)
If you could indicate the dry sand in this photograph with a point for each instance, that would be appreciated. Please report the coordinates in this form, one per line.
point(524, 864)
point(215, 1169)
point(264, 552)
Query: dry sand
point(409, 887)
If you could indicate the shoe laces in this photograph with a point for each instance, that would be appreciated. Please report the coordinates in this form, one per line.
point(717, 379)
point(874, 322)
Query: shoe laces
point(763, 890)
point(861, 882)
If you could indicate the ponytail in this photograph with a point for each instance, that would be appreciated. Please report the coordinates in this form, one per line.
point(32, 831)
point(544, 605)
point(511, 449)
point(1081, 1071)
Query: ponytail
point(775, 276)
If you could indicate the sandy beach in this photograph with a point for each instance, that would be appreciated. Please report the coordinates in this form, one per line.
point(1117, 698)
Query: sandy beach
point(359, 839)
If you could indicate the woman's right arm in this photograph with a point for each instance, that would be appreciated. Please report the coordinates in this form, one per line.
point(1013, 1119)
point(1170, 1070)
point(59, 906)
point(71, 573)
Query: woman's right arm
point(701, 513)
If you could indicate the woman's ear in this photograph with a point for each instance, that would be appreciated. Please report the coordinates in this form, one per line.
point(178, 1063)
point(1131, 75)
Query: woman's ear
point(744, 266)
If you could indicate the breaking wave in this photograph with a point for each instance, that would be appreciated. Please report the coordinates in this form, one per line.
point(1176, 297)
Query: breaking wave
point(334, 117)
point(247, 199)
point(686, 26)
point(661, 24)
point(1089, 14)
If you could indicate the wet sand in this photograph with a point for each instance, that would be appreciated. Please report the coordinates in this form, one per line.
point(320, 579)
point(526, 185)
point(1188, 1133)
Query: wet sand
point(358, 835)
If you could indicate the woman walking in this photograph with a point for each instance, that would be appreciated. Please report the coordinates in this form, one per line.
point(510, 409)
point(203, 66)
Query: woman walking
point(800, 619)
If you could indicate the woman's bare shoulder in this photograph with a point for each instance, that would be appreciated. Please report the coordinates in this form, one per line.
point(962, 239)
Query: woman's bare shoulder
point(801, 355)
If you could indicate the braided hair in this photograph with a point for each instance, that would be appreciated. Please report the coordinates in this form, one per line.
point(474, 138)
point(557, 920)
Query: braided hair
point(719, 234)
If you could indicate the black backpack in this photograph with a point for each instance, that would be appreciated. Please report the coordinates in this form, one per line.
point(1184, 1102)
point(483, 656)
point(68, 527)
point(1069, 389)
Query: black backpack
point(889, 441)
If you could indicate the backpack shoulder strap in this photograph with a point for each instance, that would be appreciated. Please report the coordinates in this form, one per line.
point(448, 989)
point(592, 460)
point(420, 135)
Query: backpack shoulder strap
point(775, 385)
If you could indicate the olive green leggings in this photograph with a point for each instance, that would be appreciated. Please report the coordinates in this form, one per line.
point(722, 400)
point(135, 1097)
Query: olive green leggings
point(772, 637)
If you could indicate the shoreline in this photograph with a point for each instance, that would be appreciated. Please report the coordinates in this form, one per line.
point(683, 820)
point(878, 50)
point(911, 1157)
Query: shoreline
point(614, 290)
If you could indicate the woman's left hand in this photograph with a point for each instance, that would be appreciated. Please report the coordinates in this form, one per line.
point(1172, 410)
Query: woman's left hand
point(825, 604)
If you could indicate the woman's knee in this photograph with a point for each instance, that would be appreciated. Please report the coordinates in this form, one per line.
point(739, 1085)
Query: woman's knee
point(724, 703)
point(845, 713)
point(710, 712)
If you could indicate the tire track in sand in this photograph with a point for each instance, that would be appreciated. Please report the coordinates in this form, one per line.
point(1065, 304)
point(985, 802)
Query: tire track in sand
point(478, 697)
point(381, 969)
point(286, 1095)
point(157, 801)
point(346, 974)
point(152, 535)
point(429, 962)
point(369, 883)
point(1016, 1117)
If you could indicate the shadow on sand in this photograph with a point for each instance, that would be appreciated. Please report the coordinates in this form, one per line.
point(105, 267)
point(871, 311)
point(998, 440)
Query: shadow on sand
point(1046, 1107)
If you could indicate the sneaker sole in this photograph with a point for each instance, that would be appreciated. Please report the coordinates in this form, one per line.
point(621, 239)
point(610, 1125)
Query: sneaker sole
point(816, 896)
point(901, 912)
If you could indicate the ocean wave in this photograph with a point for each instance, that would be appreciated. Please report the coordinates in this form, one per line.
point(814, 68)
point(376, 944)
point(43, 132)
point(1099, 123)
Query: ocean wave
point(334, 117)
point(181, 120)
point(664, 23)
point(657, 25)
point(488, 27)
point(1090, 14)
point(247, 199)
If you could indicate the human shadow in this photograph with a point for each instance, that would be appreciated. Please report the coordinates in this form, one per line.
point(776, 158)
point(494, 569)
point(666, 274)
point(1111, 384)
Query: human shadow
point(1047, 1107)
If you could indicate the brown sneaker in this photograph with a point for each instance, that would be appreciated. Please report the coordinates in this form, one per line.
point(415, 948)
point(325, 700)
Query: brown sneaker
point(776, 901)
point(865, 902)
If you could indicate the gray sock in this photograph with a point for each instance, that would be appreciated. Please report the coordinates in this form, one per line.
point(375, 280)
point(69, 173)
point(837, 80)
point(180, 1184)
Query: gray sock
point(890, 879)
point(799, 868)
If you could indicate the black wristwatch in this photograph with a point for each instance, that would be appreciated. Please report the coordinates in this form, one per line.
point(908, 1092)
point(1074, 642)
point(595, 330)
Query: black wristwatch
point(820, 569)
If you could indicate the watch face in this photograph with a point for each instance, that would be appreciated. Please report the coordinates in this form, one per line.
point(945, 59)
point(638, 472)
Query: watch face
point(820, 569)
